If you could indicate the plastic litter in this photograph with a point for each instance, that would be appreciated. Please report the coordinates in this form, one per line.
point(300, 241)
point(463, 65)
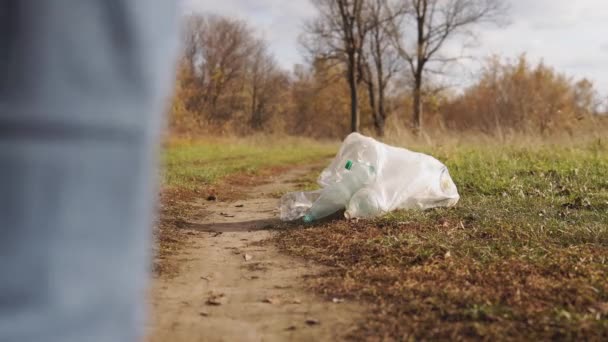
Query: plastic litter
point(369, 178)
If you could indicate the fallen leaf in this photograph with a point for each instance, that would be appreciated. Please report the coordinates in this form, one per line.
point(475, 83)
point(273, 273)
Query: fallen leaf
point(247, 257)
point(211, 198)
point(291, 328)
point(204, 313)
point(239, 205)
point(312, 321)
point(337, 300)
point(216, 299)
point(447, 255)
point(272, 300)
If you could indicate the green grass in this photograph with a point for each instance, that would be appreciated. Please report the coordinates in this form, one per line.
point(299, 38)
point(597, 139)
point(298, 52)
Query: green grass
point(524, 255)
point(195, 164)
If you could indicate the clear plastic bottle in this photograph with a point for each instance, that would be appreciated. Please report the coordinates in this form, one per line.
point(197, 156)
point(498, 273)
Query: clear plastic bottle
point(337, 195)
point(364, 203)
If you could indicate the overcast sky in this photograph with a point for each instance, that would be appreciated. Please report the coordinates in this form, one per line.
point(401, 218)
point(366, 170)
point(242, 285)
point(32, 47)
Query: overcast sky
point(571, 35)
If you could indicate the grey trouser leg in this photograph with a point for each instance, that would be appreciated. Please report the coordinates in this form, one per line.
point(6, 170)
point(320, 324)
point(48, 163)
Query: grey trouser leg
point(82, 85)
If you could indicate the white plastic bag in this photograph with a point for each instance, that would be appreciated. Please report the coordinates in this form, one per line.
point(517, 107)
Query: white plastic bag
point(401, 179)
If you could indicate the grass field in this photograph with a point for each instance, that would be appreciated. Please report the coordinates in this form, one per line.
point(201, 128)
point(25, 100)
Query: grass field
point(196, 164)
point(524, 255)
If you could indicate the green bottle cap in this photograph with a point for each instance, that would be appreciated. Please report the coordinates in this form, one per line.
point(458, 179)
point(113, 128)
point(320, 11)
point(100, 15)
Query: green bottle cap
point(349, 164)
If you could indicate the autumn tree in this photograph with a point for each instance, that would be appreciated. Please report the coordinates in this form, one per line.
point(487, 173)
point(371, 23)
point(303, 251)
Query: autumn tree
point(318, 91)
point(265, 82)
point(516, 96)
point(227, 75)
point(338, 33)
point(423, 29)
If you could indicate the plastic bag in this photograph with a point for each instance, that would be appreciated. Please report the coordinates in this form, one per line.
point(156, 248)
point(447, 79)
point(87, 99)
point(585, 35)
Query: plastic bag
point(397, 179)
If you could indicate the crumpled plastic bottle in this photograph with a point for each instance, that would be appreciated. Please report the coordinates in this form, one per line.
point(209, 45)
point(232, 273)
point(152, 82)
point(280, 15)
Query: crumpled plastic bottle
point(364, 203)
point(337, 195)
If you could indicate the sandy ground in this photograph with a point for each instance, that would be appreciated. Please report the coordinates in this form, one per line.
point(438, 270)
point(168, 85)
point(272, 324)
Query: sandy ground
point(231, 288)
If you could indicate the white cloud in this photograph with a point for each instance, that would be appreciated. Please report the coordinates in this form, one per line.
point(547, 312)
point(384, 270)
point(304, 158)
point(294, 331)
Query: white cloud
point(564, 33)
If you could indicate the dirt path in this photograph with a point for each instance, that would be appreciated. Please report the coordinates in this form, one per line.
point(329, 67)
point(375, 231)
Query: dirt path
point(259, 290)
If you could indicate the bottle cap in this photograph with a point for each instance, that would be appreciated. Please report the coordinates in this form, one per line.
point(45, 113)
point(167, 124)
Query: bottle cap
point(349, 164)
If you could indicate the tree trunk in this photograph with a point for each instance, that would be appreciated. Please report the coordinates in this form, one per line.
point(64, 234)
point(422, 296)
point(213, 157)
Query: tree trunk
point(378, 119)
point(420, 56)
point(352, 83)
point(381, 111)
point(255, 118)
point(381, 98)
point(417, 110)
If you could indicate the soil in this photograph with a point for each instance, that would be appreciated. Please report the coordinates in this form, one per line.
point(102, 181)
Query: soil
point(231, 285)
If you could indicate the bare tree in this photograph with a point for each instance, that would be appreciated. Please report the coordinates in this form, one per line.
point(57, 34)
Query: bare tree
point(227, 45)
point(264, 77)
point(431, 23)
point(339, 33)
point(381, 61)
point(227, 72)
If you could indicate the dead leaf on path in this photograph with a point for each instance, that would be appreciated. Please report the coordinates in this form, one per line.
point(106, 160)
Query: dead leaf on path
point(291, 328)
point(204, 313)
point(247, 257)
point(312, 321)
point(603, 308)
point(239, 205)
point(337, 300)
point(272, 300)
point(280, 287)
point(253, 277)
point(216, 299)
point(211, 198)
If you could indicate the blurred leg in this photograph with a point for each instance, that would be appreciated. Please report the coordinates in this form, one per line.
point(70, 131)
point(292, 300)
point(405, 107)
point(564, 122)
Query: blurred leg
point(81, 90)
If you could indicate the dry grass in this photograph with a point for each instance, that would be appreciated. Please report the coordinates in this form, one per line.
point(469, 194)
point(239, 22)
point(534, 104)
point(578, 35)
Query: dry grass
point(523, 256)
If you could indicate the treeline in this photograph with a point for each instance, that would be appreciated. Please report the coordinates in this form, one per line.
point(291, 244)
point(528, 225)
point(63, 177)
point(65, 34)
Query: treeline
point(516, 96)
point(368, 69)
